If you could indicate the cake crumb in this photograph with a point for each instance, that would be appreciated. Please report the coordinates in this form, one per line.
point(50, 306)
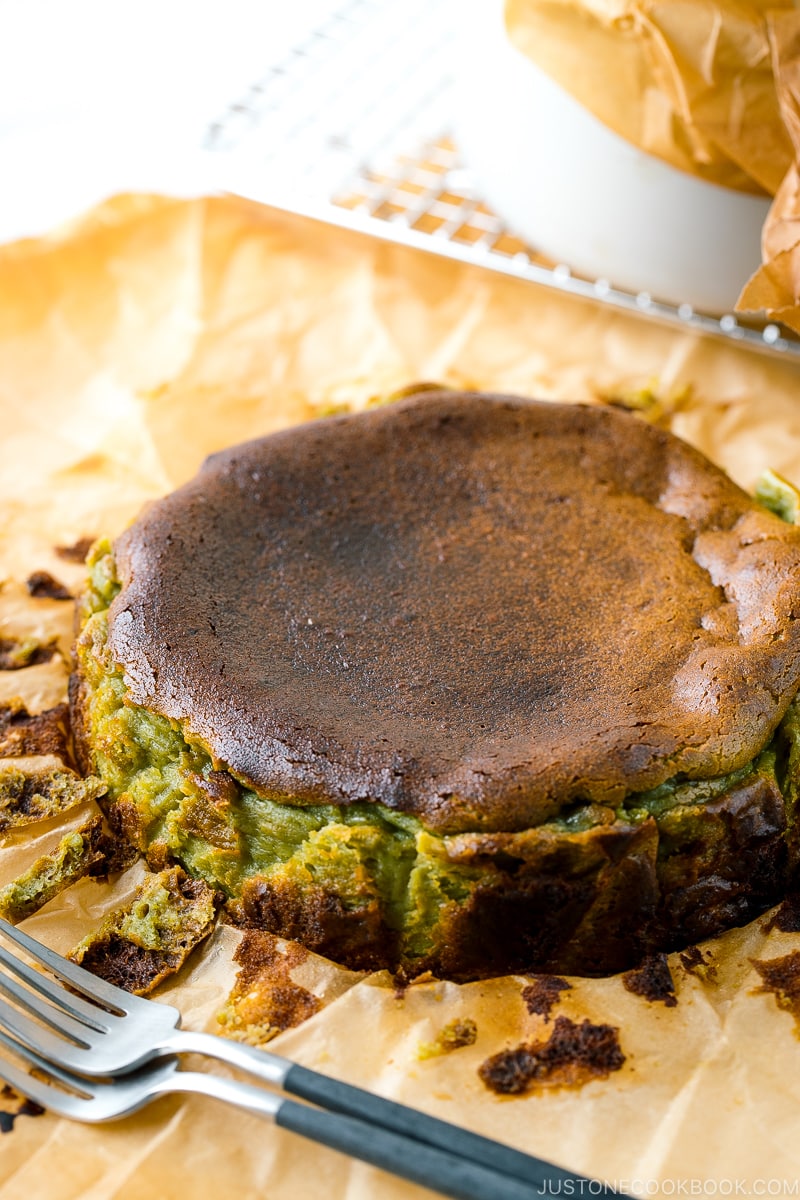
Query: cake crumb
point(699, 963)
point(543, 993)
point(653, 981)
point(786, 917)
point(781, 977)
point(44, 586)
point(77, 552)
point(458, 1033)
point(572, 1056)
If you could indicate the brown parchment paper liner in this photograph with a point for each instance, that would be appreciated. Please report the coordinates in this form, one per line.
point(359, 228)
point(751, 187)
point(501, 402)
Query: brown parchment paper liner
point(155, 331)
point(775, 287)
point(691, 83)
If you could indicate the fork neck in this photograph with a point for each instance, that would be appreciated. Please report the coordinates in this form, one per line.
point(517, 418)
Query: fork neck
point(270, 1068)
point(253, 1099)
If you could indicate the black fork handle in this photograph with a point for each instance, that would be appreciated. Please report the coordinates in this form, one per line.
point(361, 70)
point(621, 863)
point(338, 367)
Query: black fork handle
point(430, 1131)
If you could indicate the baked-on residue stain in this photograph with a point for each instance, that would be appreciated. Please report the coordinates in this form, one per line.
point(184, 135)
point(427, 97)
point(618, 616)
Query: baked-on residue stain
point(265, 999)
point(461, 1032)
point(543, 993)
point(652, 980)
point(572, 1056)
point(76, 553)
point(12, 1105)
point(699, 962)
point(786, 918)
point(44, 586)
point(781, 976)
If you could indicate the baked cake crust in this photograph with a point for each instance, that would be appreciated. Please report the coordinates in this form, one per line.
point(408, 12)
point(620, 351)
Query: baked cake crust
point(474, 609)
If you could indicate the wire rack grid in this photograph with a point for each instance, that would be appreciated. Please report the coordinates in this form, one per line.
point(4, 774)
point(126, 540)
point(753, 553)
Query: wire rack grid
point(352, 127)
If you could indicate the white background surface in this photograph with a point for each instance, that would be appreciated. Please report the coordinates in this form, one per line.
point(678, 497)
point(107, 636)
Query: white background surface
point(99, 96)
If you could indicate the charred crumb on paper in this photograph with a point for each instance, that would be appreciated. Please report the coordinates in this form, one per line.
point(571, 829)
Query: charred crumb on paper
point(543, 993)
point(781, 977)
point(13, 1105)
point(401, 986)
point(77, 552)
point(23, 734)
point(44, 586)
point(692, 958)
point(653, 981)
point(699, 962)
point(265, 1000)
point(463, 1031)
point(18, 653)
point(403, 981)
point(139, 945)
point(33, 789)
point(786, 918)
point(572, 1056)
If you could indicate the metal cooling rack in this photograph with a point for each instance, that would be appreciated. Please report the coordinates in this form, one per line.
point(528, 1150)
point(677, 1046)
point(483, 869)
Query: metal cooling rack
point(352, 126)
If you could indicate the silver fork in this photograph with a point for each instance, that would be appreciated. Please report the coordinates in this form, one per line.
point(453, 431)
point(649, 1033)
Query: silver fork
point(90, 1028)
point(80, 1098)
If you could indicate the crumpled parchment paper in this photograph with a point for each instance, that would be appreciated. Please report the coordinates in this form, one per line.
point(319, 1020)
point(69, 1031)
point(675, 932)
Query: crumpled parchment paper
point(691, 83)
point(155, 331)
point(712, 88)
point(775, 287)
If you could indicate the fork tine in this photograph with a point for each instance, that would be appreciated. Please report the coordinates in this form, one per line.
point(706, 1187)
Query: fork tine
point(93, 1099)
point(118, 1001)
point(87, 1014)
point(29, 1084)
point(33, 1034)
point(34, 1002)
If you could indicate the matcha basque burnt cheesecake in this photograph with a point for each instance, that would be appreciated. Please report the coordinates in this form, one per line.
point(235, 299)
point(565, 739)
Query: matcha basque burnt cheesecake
point(467, 683)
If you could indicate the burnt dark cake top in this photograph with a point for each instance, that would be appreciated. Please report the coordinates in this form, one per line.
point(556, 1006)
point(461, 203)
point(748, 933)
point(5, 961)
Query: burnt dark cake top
point(476, 609)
